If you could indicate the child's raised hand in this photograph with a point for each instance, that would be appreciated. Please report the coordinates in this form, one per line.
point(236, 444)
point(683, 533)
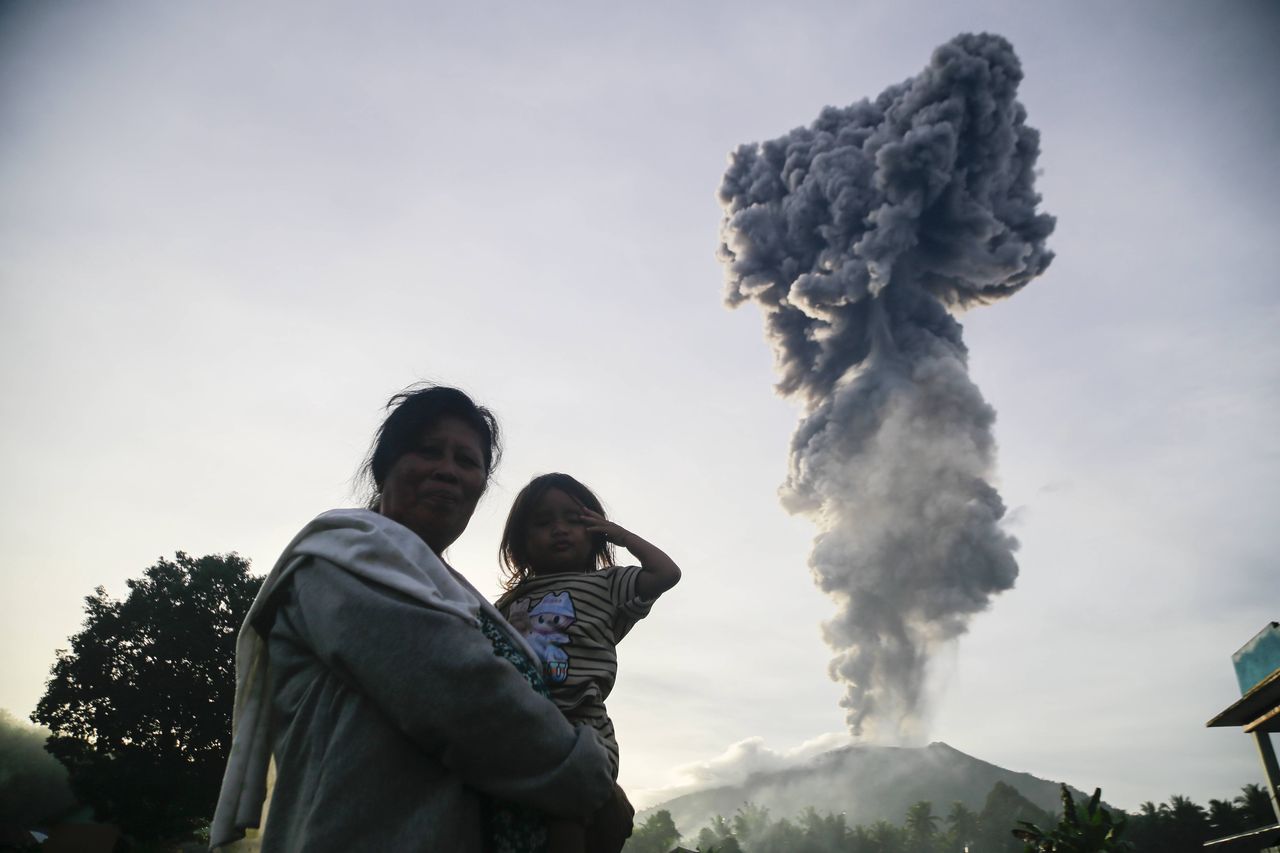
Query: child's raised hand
point(660, 572)
point(597, 523)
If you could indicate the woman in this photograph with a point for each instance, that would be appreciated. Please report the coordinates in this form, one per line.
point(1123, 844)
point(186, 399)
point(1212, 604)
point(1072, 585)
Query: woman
point(399, 710)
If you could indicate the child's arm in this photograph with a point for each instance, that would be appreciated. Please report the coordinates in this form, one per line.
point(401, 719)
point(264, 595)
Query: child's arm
point(660, 572)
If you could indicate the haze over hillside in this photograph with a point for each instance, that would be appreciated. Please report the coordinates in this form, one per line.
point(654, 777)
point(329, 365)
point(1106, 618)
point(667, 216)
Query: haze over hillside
point(866, 783)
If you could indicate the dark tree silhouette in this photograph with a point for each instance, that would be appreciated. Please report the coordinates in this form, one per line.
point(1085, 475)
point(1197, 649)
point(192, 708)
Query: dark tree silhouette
point(921, 825)
point(1224, 818)
point(658, 834)
point(140, 706)
point(718, 837)
point(1190, 823)
point(1255, 807)
point(884, 837)
point(962, 826)
point(823, 832)
point(781, 837)
point(1082, 829)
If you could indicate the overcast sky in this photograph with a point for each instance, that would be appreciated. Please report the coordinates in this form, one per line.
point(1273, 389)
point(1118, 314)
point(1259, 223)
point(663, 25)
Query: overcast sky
point(228, 233)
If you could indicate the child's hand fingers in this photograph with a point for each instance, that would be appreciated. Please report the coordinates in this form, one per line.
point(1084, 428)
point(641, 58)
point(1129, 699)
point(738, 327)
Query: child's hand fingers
point(600, 525)
point(614, 533)
point(594, 522)
point(591, 517)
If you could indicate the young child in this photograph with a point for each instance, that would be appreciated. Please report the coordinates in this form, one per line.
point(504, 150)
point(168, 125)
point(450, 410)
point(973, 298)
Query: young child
point(571, 602)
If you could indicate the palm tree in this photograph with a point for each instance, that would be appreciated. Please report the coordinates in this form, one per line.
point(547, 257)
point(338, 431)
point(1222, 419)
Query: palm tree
point(657, 834)
point(1255, 807)
point(962, 825)
point(750, 822)
point(1147, 829)
point(886, 838)
point(824, 832)
point(718, 837)
point(1189, 822)
point(1224, 819)
point(921, 826)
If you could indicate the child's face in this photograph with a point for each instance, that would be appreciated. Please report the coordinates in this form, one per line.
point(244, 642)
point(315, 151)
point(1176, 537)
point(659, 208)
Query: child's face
point(558, 538)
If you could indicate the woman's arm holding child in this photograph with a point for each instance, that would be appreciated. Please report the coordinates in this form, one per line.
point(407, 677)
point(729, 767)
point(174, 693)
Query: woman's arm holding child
point(660, 572)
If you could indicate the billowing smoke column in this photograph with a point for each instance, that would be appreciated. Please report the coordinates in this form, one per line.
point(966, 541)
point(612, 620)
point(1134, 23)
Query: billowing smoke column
point(859, 236)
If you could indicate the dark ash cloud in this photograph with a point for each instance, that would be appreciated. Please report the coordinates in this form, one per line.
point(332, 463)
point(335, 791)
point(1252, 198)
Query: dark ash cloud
point(860, 237)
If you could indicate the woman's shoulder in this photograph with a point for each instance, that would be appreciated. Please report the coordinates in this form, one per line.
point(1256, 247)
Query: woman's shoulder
point(376, 550)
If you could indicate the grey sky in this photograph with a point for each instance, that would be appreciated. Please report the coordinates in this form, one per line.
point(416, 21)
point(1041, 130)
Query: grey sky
point(226, 236)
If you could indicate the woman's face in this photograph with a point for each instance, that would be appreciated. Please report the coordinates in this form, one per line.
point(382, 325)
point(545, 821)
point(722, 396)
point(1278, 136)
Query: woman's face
point(432, 489)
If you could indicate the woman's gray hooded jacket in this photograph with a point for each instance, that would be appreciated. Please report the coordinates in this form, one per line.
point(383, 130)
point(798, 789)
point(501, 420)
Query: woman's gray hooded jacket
point(363, 676)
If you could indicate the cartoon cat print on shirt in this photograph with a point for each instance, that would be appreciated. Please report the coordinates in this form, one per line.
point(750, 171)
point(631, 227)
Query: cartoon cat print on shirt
point(543, 625)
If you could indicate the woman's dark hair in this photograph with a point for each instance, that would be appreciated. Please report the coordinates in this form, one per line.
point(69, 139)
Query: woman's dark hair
point(513, 553)
point(414, 411)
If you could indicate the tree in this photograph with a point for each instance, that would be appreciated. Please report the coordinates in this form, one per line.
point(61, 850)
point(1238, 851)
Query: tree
point(884, 837)
point(962, 826)
point(1147, 829)
point(1080, 830)
point(823, 832)
point(1255, 806)
point(921, 826)
point(709, 842)
point(718, 837)
point(750, 822)
point(781, 837)
point(140, 706)
point(658, 834)
point(1190, 824)
point(1224, 819)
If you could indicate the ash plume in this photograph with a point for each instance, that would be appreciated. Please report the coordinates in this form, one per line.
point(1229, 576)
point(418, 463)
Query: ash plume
point(860, 237)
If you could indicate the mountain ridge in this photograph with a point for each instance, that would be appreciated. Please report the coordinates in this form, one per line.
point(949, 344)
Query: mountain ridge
point(865, 783)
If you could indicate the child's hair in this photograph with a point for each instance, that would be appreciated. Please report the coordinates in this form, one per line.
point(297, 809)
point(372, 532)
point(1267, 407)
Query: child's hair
point(513, 553)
